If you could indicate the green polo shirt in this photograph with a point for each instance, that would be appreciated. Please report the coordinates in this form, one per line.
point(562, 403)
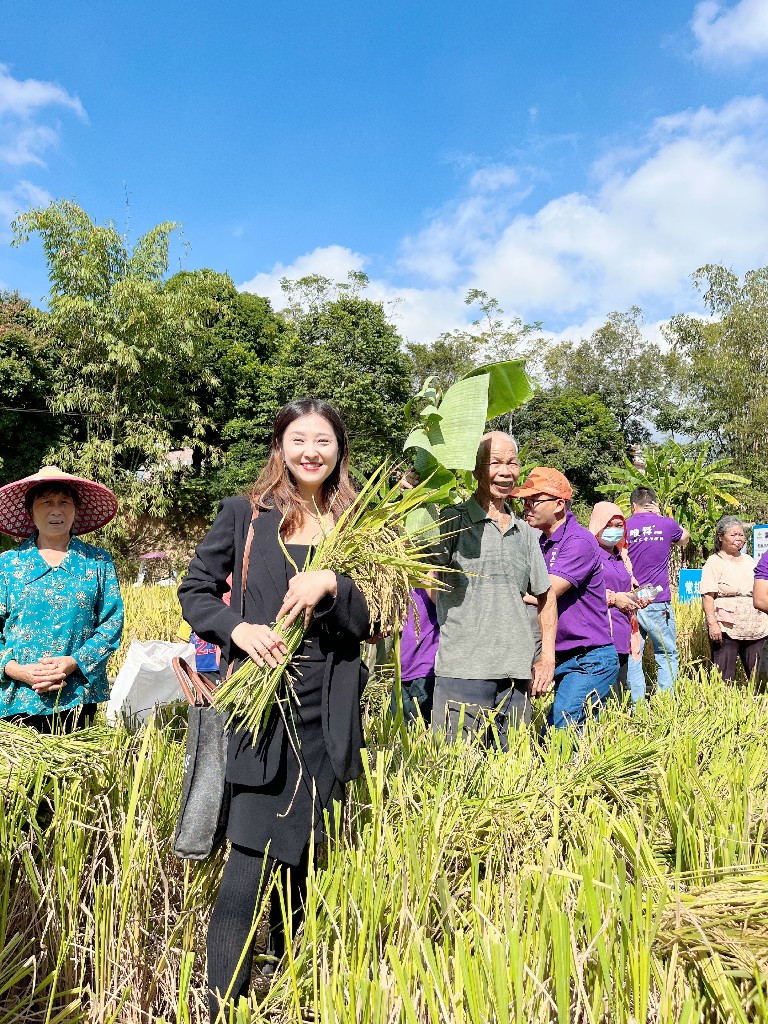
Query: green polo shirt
point(485, 631)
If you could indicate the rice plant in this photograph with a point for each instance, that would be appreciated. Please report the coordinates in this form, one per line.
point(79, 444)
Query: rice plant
point(620, 878)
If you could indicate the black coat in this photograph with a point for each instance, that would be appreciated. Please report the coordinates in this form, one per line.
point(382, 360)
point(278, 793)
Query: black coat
point(346, 616)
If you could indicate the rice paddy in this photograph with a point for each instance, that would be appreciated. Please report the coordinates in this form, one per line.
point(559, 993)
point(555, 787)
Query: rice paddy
point(623, 878)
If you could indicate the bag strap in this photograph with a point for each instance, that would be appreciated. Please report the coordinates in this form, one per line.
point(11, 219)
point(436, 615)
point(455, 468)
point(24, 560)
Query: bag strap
point(247, 562)
point(244, 575)
point(196, 689)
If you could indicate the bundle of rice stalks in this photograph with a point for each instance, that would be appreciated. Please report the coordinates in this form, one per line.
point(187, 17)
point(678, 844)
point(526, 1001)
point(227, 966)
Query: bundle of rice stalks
point(24, 751)
point(368, 543)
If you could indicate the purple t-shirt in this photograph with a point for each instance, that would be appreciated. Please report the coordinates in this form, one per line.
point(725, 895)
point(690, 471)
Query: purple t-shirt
point(417, 654)
point(761, 569)
point(573, 554)
point(617, 578)
point(650, 540)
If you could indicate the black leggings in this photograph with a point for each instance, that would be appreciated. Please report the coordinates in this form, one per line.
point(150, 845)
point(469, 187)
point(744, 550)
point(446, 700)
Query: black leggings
point(246, 874)
point(728, 652)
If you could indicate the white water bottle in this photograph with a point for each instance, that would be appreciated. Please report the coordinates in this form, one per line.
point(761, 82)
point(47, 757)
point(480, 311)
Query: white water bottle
point(648, 593)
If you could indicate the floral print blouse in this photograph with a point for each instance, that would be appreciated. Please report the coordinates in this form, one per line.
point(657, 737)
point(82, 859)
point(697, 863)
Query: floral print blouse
point(46, 611)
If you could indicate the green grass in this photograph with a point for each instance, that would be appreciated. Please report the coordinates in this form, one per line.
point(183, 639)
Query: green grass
point(623, 878)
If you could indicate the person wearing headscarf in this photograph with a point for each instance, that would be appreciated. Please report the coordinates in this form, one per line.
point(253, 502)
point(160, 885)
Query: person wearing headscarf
point(736, 628)
point(61, 614)
point(609, 526)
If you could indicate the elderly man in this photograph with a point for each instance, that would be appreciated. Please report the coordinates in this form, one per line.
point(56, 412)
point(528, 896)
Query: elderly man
point(651, 537)
point(485, 654)
point(586, 660)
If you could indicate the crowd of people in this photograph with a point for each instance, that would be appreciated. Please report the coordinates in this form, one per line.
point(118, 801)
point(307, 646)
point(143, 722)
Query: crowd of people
point(599, 593)
point(523, 605)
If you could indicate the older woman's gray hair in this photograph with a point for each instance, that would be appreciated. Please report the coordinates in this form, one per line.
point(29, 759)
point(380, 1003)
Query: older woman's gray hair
point(724, 523)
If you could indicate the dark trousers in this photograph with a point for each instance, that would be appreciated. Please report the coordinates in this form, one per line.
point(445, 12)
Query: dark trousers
point(230, 953)
point(485, 707)
point(59, 722)
point(621, 686)
point(417, 698)
point(727, 653)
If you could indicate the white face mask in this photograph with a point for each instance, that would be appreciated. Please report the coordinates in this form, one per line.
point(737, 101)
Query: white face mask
point(612, 535)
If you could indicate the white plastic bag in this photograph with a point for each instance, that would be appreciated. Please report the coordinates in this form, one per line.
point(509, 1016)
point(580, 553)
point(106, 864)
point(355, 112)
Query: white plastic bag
point(147, 680)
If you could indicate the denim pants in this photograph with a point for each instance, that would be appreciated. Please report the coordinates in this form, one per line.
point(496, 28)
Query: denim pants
point(582, 680)
point(657, 621)
point(478, 702)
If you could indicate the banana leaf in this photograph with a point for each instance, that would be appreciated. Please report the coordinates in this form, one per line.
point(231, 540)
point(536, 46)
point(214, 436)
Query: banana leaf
point(453, 440)
point(508, 386)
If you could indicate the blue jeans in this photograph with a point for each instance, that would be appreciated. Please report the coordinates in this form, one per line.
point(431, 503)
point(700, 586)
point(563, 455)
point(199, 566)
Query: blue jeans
point(582, 680)
point(657, 621)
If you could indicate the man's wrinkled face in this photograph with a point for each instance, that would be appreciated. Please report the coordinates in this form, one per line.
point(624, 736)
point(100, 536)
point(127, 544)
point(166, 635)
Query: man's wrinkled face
point(498, 469)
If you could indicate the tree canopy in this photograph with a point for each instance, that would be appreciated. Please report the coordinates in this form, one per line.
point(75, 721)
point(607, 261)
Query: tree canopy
point(130, 363)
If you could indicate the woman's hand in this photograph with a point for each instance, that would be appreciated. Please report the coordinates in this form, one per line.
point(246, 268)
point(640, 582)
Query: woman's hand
point(260, 643)
point(44, 676)
point(625, 602)
point(305, 591)
point(714, 630)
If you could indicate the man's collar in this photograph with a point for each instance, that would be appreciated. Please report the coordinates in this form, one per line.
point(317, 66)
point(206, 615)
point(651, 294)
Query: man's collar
point(478, 514)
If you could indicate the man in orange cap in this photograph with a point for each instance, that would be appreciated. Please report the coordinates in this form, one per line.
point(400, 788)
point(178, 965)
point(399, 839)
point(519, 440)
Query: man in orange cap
point(586, 660)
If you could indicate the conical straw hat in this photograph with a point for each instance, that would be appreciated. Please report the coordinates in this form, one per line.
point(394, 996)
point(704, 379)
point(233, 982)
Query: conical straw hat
point(97, 504)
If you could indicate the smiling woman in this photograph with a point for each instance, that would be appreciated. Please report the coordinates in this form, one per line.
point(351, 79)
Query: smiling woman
point(61, 615)
point(292, 772)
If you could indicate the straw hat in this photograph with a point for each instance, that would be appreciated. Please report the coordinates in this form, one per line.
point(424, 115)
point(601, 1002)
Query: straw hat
point(97, 504)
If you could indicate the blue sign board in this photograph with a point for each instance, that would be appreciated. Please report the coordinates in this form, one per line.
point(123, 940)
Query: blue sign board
point(689, 586)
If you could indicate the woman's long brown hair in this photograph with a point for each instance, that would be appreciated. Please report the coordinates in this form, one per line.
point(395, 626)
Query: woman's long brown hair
point(275, 486)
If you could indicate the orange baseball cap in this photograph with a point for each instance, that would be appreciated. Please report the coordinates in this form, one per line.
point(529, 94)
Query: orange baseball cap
point(544, 480)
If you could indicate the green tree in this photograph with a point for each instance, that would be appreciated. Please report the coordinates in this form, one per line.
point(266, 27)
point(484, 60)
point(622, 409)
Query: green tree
point(344, 350)
point(632, 377)
point(572, 432)
point(726, 365)
point(238, 335)
point(119, 335)
point(489, 339)
point(27, 428)
point(444, 360)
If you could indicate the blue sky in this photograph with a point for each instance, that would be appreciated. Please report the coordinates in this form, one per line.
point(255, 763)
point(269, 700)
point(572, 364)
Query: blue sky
point(569, 158)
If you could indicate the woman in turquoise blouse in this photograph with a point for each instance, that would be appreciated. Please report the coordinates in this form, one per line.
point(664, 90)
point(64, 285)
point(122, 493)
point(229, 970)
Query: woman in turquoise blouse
point(61, 614)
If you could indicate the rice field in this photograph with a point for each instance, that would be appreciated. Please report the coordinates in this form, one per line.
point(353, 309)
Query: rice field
point(621, 879)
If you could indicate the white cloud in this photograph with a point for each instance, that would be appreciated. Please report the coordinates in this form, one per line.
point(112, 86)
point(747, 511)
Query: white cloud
point(22, 99)
point(24, 139)
point(333, 261)
point(696, 192)
point(692, 190)
point(493, 178)
point(735, 33)
point(26, 145)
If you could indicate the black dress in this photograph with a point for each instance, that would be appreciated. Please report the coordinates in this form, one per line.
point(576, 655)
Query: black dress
point(279, 817)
